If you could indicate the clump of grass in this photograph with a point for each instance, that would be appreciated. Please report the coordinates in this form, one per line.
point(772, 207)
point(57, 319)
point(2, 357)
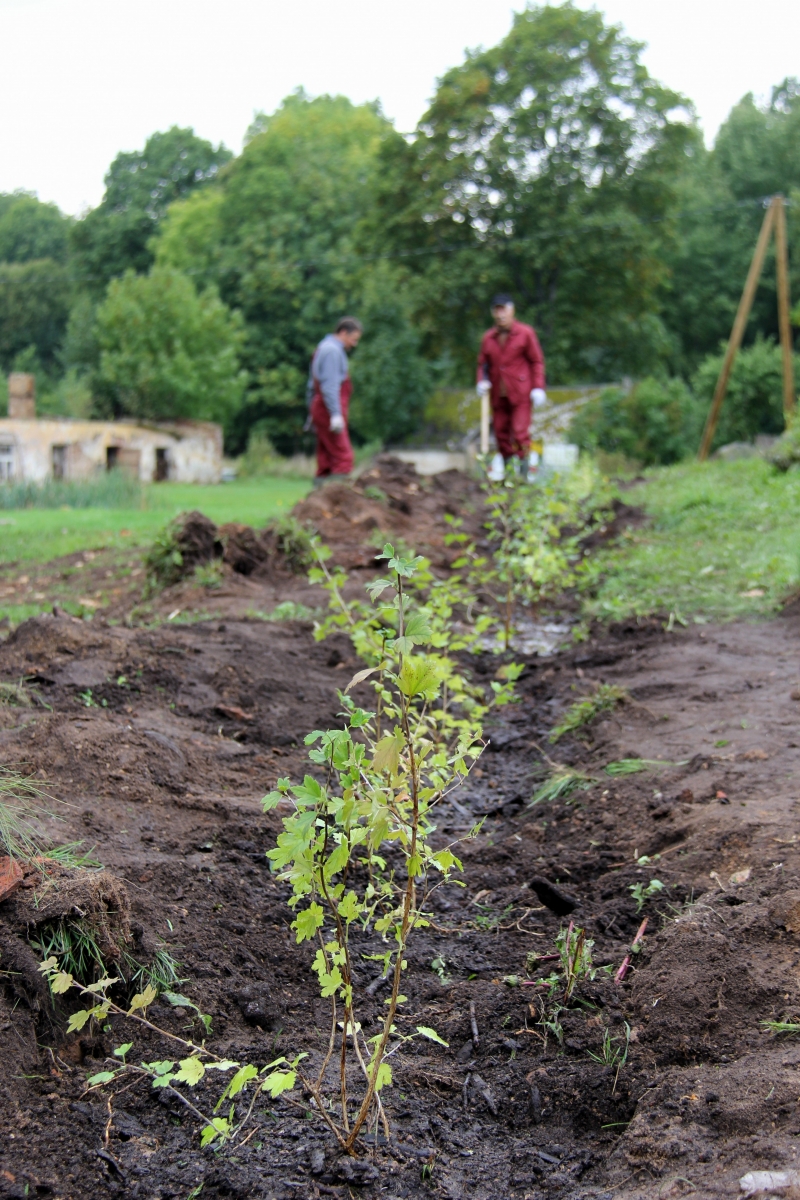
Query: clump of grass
point(562, 785)
point(73, 941)
point(209, 575)
point(14, 695)
point(71, 855)
point(781, 1026)
point(632, 766)
point(108, 489)
point(22, 805)
point(295, 542)
point(583, 711)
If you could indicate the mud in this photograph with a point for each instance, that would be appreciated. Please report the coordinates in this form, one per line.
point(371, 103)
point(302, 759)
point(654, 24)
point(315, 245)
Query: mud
point(163, 772)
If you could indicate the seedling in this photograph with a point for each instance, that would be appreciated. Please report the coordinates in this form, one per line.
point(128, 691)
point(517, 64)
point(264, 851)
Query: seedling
point(642, 893)
point(562, 785)
point(781, 1026)
point(384, 773)
point(582, 712)
point(612, 1053)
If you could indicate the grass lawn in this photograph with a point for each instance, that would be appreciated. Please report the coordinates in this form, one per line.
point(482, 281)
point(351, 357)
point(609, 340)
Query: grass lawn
point(723, 542)
point(41, 534)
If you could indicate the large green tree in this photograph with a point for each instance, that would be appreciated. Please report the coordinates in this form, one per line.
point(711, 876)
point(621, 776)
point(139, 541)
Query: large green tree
point(34, 303)
point(166, 351)
point(542, 167)
point(280, 235)
point(140, 186)
point(30, 229)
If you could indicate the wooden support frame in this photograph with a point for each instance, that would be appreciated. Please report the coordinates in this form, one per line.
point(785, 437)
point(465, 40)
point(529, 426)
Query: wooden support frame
point(774, 219)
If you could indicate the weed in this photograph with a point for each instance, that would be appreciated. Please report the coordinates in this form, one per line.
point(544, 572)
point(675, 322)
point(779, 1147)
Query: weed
point(70, 855)
point(15, 695)
point(287, 610)
point(641, 893)
point(110, 489)
point(295, 542)
point(21, 808)
point(487, 919)
point(605, 698)
point(89, 700)
point(631, 766)
point(575, 950)
point(209, 575)
point(375, 493)
point(73, 941)
point(439, 968)
point(613, 1053)
point(562, 785)
point(781, 1026)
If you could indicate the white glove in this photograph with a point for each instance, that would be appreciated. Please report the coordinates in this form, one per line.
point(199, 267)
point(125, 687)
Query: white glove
point(539, 397)
point(484, 387)
point(337, 423)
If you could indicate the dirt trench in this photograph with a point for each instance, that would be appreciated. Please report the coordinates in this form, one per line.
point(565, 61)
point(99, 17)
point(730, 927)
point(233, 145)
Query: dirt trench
point(163, 772)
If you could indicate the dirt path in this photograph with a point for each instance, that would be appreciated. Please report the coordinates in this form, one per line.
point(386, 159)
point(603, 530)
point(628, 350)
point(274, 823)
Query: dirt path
point(163, 772)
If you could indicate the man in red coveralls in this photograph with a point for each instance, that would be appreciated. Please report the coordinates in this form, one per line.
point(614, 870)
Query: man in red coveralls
point(511, 367)
point(328, 393)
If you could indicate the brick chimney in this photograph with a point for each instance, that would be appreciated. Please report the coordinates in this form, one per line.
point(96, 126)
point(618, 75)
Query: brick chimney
point(22, 396)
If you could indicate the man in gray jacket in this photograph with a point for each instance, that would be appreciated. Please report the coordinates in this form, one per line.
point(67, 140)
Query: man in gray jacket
point(329, 390)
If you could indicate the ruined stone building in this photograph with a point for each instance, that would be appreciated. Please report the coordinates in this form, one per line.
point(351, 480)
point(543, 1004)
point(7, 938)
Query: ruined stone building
point(36, 448)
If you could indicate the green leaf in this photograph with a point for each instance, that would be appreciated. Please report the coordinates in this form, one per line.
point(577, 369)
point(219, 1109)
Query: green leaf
point(100, 1077)
point(307, 922)
point(143, 999)
point(241, 1079)
point(387, 752)
point(159, 1068)
point(431, 1035)
point(191, 1071)
point(419, 677)
point(177, 1000)
point(121, 1051)
point(384, 1076)
point(349, 908)
point(224, 1065)
point(271, 800)
point(78, 1020)
point(102, 985)
point(417, 628)
point(61, 983)
point(279, 1082)
point(219, 1127)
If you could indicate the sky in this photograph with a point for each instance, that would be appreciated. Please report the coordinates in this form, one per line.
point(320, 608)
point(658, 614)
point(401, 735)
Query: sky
point(81, 80)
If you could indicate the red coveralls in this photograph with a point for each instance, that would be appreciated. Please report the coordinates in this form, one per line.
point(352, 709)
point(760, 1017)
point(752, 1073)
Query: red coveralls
point(514, 369)
point(334, 452)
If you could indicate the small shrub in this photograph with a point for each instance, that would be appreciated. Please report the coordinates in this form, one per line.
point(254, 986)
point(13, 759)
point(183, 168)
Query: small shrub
point(657, 421)
point(188, 541)
point(295, 542)
point(754, 398)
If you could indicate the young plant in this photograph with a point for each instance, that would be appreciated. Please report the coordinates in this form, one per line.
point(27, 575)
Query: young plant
point(563, 784)
point(613, 1053)
point(357, 848)
point(605, 698)
point(641, 893)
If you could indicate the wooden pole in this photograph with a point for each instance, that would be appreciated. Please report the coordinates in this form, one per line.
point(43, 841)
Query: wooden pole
point(784, 322)
point(737, 333)
point(485, 424)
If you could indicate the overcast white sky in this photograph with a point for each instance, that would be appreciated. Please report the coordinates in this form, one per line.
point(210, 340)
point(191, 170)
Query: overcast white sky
point(82, 79)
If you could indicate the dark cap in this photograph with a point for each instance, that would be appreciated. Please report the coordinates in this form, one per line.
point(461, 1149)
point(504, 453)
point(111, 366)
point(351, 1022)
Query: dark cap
point(500, 299)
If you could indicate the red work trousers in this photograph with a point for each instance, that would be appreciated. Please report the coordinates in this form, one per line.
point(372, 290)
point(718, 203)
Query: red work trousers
point(511, 424)
point(334, 452)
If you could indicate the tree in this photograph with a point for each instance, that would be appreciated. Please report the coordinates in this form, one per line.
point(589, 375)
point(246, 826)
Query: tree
point(31, 230)
point(280, 236)
point(140, 186)
point(541, 168)
point(167, 352)
point(34, 304)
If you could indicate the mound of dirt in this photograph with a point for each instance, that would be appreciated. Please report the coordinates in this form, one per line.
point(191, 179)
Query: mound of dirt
point(391, 501)
point(52, 892)
point(243, 549)
point(196, 538)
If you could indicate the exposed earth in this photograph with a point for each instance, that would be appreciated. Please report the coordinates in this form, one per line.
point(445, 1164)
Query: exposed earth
point(159, 742)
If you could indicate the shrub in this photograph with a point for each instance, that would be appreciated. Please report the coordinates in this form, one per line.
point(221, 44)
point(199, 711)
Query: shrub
point(754, 399)
point(657, 421)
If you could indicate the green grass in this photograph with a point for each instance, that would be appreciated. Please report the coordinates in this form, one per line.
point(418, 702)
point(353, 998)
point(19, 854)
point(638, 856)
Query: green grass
point(39, 534)
point(718, 531)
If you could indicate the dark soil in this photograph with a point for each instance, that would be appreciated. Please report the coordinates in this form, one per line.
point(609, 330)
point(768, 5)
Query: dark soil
point(163, 773)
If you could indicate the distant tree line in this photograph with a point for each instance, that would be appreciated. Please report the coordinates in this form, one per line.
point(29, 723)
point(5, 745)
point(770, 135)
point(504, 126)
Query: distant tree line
point(551, 165)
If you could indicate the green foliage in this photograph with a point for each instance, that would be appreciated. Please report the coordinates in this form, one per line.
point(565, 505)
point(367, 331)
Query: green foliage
point(31, 230)
point(541, 165)
point(391, 381)
point(606, 697)
point(656, 421)
point(754, 399)
point(114, 237)
point(781, 1026)
point(357, 850)
point(108, 489)
point(34, 303)
point(563, 784)
point(167, 353)
point(295, 542)
point(261, 459)
point(786, 451)
point(22, 807)
point(641, 892)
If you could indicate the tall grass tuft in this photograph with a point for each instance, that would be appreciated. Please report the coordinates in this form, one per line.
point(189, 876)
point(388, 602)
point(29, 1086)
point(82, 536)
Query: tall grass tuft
point(111, 489)
point(21, 807)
